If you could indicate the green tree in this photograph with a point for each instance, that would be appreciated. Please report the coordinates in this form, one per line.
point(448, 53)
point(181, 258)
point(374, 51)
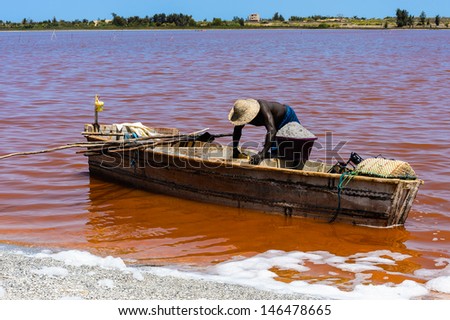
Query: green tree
point(411, 21)
point(146, 21)
point(240, 21)
point(437, 20)
point(277, 17)
point(422, 18)
point(134, 21)
point(402, 18)
point(180, 20)
point(217, 22)
point(118, 20)
point(159, 19)
point(296, 18)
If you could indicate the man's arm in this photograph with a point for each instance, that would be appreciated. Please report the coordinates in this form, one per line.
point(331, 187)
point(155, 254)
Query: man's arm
point(269, 123)
point(237, 133)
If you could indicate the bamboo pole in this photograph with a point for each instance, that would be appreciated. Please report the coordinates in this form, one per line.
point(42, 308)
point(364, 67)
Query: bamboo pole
point(114, 145)
point(85, 133)
point(145, 138)
point(73, 145)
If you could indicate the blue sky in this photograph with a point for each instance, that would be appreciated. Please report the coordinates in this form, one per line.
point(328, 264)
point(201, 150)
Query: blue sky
point(38, 10)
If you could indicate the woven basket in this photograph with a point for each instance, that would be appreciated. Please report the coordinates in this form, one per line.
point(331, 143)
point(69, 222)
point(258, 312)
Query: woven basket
point(384, 168)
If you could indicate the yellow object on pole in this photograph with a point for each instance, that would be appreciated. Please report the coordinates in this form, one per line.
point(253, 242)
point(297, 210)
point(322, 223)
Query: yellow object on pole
point(98, 104)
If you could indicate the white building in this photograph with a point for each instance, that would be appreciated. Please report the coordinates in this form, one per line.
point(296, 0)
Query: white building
point(254, 17)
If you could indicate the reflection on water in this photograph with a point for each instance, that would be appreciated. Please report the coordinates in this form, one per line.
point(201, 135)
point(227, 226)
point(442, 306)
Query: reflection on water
point(376, 92)
point(197, 232)
point(145, 228)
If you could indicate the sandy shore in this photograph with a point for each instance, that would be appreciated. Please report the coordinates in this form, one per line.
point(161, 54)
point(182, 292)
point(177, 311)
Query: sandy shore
point(29, 277)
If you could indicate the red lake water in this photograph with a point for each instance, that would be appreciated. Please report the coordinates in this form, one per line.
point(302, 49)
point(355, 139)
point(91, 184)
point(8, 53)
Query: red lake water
point(372, 92)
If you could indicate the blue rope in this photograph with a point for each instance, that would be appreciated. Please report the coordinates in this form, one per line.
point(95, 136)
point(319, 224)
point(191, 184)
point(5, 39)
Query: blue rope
point(128, 136)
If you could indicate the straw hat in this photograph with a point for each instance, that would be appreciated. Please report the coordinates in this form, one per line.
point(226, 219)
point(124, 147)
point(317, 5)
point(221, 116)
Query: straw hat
point(243, 111)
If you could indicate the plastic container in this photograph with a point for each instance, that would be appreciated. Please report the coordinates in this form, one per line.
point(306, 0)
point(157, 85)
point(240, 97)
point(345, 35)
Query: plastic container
point(294, 151)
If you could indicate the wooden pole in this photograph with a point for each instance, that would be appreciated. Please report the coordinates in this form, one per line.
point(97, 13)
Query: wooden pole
point(75, 145)
point(115, 144)
point(96, 125)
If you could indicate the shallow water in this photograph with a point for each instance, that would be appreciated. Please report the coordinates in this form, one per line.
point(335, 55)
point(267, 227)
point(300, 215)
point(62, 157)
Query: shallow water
point(373, 92)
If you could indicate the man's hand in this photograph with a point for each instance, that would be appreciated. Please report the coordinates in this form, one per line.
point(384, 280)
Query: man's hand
point(256, 159)
point(239, 155)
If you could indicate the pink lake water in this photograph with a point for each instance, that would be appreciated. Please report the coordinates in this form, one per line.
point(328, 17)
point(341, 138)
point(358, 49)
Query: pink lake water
point(374, 92)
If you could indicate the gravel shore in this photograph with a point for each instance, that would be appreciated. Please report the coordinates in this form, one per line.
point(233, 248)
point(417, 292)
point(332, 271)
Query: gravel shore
point(44, 277)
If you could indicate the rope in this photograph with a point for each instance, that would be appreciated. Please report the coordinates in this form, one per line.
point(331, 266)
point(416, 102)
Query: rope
point(344, 179)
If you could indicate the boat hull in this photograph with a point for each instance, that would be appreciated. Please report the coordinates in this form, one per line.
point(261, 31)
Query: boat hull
point(363, 201)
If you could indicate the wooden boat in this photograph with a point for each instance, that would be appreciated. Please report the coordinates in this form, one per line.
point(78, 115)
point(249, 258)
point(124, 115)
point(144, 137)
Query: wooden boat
point(182, 166)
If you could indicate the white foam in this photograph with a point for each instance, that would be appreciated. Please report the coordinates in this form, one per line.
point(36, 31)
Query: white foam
point(108, 283)
point(430, 273)
point(82, 258)
point(245, 269)
point(2, 292)
point(377, 255)
point(406, 290)
point(51, 272)
point(137, 274)
point(354, 267)
point(442, 262)
point(441, 284)
point(255, 272)
point(259, 272)
point(438, 279)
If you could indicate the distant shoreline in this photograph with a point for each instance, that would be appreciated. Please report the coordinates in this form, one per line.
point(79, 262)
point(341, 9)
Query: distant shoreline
point(401, 19)
point(214, 29)
point(372, 24)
